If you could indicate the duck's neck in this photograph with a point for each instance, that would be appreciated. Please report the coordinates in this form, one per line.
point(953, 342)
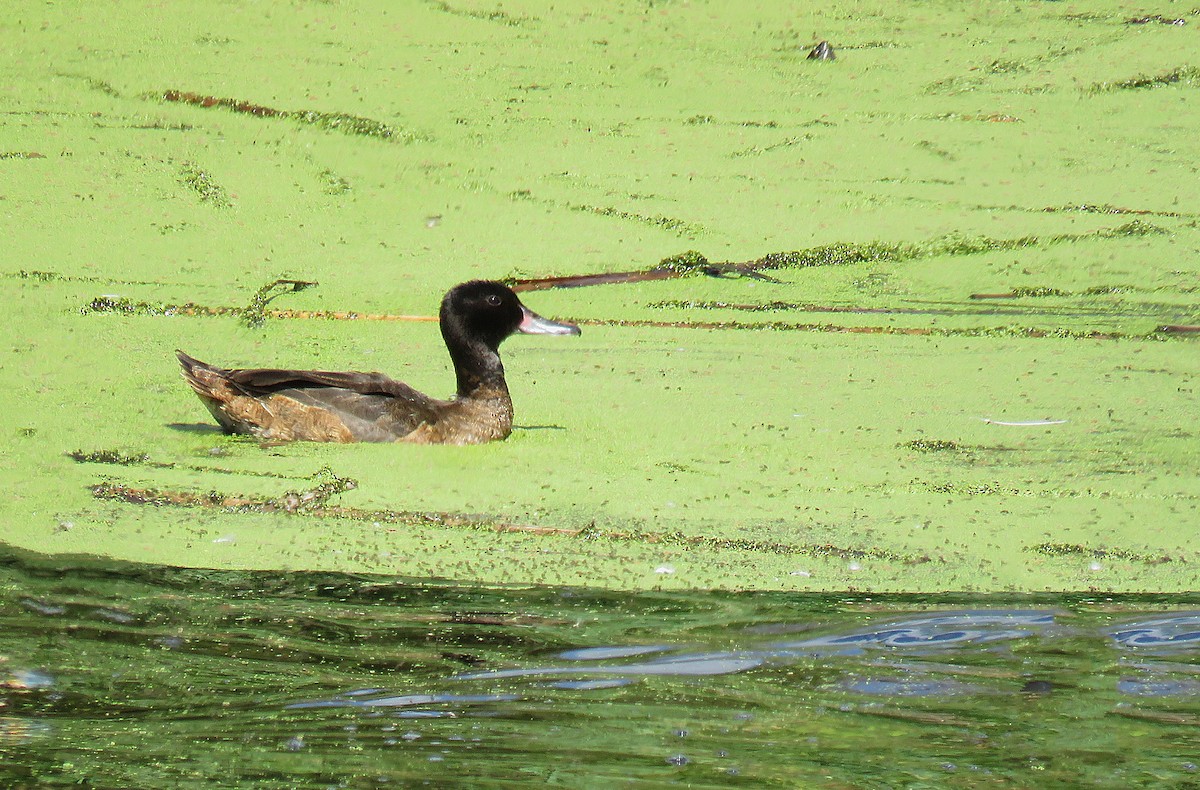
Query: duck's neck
point(478, 369)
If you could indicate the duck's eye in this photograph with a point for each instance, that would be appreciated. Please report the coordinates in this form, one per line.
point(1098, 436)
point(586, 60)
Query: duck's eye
point(493, 300)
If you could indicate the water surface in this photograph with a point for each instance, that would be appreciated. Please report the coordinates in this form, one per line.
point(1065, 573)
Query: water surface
point(127, 675)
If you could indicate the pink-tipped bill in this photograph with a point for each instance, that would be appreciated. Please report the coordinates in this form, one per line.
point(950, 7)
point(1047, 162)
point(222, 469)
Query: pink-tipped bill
point(534, 324)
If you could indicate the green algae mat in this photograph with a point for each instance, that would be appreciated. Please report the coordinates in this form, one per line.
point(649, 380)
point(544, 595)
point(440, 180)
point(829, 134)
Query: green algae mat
point(922, 317)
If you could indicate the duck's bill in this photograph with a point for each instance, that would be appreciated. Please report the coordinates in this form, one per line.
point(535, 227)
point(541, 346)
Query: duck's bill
point(534, 324)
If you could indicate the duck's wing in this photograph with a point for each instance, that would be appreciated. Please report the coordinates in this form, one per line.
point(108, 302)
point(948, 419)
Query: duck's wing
point(371, 406)
point(268, 380)
point(316, 405)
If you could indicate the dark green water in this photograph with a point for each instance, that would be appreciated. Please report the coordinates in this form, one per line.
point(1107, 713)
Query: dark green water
point(144, 676)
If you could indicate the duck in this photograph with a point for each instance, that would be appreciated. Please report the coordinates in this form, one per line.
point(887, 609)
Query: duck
point(323, 406)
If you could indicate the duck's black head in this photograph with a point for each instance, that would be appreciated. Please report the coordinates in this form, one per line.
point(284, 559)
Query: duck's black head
point(488, 312)
point(476, 317)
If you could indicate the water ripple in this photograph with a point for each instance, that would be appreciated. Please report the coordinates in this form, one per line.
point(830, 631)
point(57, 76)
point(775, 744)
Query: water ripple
point(1166, 634)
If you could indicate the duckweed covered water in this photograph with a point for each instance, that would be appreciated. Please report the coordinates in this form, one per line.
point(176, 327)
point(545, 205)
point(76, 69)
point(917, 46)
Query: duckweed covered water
point(116, 675)
point(169, 164)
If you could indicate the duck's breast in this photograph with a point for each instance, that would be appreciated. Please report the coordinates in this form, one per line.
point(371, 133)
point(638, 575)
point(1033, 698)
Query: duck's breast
point(481, 418)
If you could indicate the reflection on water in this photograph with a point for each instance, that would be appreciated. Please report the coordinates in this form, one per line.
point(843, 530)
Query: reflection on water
point(133, 676)
point(1161, 634)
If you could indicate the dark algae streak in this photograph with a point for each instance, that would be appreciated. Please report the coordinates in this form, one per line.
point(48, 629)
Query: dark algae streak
point(333, 121)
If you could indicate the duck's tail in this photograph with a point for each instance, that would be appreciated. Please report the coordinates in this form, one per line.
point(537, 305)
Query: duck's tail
point(205, 379)
point(213, 386)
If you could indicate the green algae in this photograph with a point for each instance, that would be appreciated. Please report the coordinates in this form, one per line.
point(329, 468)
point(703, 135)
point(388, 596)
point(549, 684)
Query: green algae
point(690, 262)
point(202, 183)
point(109, 457)
point(1186, 75)
point(729, 440)
point(1108, 208)
point(255, 313)
point(1016, 331)
point(1076, 550)
point(841, 254)
point(314, 502)
point(334, 184)
point(113, 456)
point(497, 15)
point(124, 306)
point(331, 121)
point(694, 262)
point(756, 150)
point(1037, 291)
point(677, 226)
point(932, 445)
point(41, 276)
point(350, 124)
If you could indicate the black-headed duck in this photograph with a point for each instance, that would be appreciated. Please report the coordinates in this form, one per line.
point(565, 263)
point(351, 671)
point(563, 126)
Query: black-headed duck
point(320, 406)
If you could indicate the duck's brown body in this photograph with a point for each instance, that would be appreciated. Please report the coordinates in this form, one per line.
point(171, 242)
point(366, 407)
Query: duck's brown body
point(322, 406)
